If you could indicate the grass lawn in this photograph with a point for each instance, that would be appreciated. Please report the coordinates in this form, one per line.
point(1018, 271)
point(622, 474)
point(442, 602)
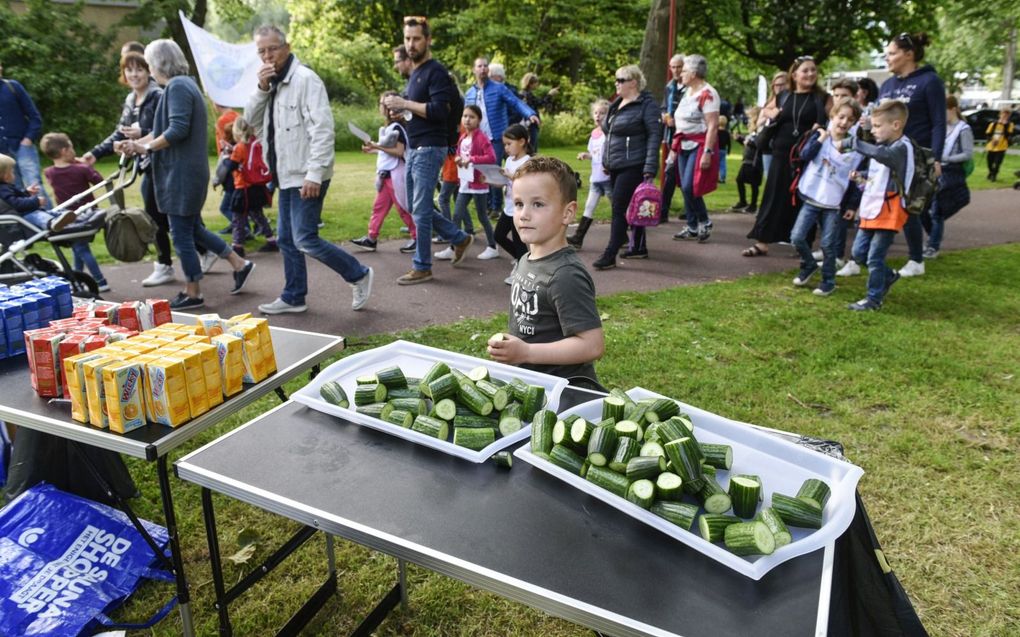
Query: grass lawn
point(924, 395)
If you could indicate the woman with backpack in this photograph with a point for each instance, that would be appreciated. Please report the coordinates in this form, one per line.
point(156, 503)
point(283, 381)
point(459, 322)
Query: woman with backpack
point(957, 163)
point(631, 156)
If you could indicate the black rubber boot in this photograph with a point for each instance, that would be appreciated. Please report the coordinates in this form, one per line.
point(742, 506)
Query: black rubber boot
point(577, 239)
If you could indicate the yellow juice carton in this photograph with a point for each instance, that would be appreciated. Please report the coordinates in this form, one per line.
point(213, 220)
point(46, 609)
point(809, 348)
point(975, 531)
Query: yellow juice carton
point(251, 351)
point(212, 324)
point(237, 318)
point(198, 394)
point(265, 343)
point(228, 351)
point(94, 392)
point(168, 392)
point(191, 339)
point(122, 384)
point(74, 369)
point(211, 371)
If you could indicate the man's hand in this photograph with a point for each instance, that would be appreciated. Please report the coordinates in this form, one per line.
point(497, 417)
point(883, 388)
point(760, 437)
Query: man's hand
point(266, 72)
point(26, 141)
point(88, 158)
point(310, 190)
point(535, 120)
point(510, 350)
point(395, 103)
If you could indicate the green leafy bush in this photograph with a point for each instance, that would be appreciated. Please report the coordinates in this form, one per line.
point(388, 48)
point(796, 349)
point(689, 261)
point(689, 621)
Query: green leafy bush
point(564, 129)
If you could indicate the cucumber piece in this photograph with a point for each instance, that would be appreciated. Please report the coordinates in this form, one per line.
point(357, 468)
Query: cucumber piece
point(797, 512)
point(629, 429)
point(534, 399)
point(606, 422)
point(712, 526)
point(374, 410)
point(472, 437)
point(518, 388)
point(498, 336)
point(749, 538)
point(580, 432)
point(498, 395)
point(686, 462)
point(366, 379)
point(445, 409)
point(679, 513)
point(608, 480)
point(744, 492)
point(399, 417)
point(670, 430)
point(541, 432)
point(637, 411)
point(438, 370)
point(369, 393)
point(565, 458)
point(814, 492)
point(652, 432)
point(771, 519)
point(392, 377)
point(570, 419)
point(403, 392)
point(645, 467)
point(333, 393)
point(626, 448)
point(751, 476)
point(669, 486)
point(616, 392)
point(443, 387)
point(498, 382)
point(686, 421)
point(708, 470)
point(713, 498)
point(479, 373)
point(653, 449)
point(431, 427)
point(503, 459)
point(662, 409)
point(474, 399)
point(561, 433)
point(719, 456)
point(474, 421)
point(641, 493)
point(509, 425)
point(613, 407)
point(416, 406)
point(601, 446)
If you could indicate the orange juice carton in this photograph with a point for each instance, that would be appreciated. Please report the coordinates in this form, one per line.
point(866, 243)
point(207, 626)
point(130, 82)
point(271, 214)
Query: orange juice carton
point(44, 363)
point(74, 371)
point(237, 318)
point(211, 371)
point(251, 351)
point(191, 339)
point(198, 394)
point(160, 309)
point(265, 343)
point(99, 415)
point(71, 345)
point(122, 384)
point(211, 324)
point(94, 342)
point(167, 393)
point(228, 352)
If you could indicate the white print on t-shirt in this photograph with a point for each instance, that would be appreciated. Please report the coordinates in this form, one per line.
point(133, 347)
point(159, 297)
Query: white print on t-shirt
point(525, 307)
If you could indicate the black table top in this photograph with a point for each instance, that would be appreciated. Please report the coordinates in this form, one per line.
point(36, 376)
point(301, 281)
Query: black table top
point(520, 533)
point(296, 352)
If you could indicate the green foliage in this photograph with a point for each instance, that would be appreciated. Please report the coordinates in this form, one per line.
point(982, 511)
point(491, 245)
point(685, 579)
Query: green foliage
point(66, 67)
point(367, 118)
point(565, 129)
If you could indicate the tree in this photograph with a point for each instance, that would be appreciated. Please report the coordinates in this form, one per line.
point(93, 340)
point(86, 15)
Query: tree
point(151, 12)
point(655, 47)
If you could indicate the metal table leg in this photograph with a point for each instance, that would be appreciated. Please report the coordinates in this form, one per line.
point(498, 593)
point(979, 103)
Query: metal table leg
point(183, 596)
point(214, 561)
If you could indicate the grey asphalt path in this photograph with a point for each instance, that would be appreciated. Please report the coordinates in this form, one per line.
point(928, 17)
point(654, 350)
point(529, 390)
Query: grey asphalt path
point(476, 288)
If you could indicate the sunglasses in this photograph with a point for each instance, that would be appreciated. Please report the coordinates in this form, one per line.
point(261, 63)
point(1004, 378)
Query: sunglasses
point(621, 80)
point(805, 58)
point(905, 41)
point(414, 20)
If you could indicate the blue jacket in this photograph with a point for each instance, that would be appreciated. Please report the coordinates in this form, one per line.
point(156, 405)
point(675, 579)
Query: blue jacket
point(19, 200)
point(180, 172)
point(925, 96)
point(19, 118)
point(499, 101)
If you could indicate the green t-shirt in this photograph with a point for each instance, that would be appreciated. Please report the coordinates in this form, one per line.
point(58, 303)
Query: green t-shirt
point(553, 298)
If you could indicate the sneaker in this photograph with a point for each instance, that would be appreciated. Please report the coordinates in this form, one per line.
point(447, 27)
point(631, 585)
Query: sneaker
point(824, 290)
point(740, 207)
point(161, 274)
point(184, 302)
point(805, 275)
point(604, 263)
point(366, 243)
point(414, 277)
point(241, 276)
point(208, 260)
point(704, 232)
point(279, 306)
point(817, 255)
point(751, 210)
point(494, 215)
point(635, 254)
point(707, 224)
point(439, 240)
point(62, 221)
point(362, 290)
point(228, 230)
point(269, 246)
point(409, 247)
point(686, 233)
point(405, 230)
point(889, 283)
point(912, 268)
point(864, 305)
point(460, 249)
point(104, 286)
point(489, 253)
point(930, 253)
point(850, 269)
point(444, 255)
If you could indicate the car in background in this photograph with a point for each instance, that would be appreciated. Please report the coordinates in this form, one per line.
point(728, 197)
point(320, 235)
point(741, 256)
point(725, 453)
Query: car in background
point(979, 120)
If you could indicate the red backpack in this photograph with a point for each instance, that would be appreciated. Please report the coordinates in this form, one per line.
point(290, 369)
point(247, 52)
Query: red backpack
point(254, 170)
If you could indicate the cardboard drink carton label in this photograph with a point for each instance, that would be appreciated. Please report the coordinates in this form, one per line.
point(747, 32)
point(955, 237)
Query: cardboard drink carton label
point(122, 383)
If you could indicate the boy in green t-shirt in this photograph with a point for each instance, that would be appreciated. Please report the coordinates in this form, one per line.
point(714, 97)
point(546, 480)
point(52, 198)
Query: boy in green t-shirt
point(554, 326)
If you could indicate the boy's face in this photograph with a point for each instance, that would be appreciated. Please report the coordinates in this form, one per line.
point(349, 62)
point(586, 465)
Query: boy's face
point(67, 154)
point(540, 214)
point(842, 122)
point(885, 129)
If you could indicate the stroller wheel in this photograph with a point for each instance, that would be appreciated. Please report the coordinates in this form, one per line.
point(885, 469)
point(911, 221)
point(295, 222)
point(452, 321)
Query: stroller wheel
point(82, 285)
point(41, 264)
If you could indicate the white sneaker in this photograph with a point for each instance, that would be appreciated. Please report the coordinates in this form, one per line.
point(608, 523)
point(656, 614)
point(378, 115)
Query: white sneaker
point(161, 275)
point(279, 306)
point(362, 290)
point(489, 253)
point(444, 255)
point(912, 268)
point(817, 255)
point(208, 260)
point(850, 269)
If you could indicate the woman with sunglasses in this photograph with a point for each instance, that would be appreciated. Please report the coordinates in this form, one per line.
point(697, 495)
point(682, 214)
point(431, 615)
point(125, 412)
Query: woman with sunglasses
point(921, 89)
point(633, 132)
point(793, 117)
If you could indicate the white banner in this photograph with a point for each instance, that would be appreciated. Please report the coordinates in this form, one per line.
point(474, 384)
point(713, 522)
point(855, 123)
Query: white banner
point(229, 72)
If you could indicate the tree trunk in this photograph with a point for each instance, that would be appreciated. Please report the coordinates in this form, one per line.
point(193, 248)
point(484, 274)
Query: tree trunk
point(177, 29)
point(655, 48)
point(1009, 68)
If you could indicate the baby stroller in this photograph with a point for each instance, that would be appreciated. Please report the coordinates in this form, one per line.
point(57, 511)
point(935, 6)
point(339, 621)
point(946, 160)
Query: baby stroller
point(17, 236)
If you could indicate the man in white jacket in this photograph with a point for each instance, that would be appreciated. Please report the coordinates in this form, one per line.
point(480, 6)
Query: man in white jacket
point(290, 112)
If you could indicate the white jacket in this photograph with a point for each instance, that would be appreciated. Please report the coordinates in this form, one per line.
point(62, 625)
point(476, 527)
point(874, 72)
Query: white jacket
point(303, 126)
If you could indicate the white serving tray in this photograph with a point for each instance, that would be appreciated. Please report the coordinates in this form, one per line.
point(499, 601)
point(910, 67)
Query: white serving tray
point(782, 465)
point(416, 360)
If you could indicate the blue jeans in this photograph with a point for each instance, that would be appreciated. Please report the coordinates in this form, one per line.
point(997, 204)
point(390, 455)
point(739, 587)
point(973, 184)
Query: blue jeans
point(298, 234)
point(722, 165)
point(829, 220)
point(423, 165)
point(228, 193)
point(913, 232)
point(496, 192)
point(694, 207)
point(937, 226)
point(842, 230)
point(83, 258)
point(870, 247)
point(447, 192)
point(462, 218)
point(27, 171)
point(186, 231)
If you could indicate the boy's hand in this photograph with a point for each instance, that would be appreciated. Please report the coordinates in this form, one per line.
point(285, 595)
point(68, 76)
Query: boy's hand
point(584, 155)
point(849, 215)
point(510, 350)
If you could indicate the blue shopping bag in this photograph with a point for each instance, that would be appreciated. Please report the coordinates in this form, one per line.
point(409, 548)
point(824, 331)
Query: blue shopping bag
point(5, 453)
point(66, 561)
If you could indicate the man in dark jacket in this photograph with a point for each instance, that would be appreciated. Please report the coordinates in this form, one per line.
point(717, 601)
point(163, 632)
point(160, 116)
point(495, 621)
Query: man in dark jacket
point(20, 126)
point(674, 93)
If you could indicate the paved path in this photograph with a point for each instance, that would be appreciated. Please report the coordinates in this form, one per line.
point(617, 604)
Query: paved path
point(476, 289)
